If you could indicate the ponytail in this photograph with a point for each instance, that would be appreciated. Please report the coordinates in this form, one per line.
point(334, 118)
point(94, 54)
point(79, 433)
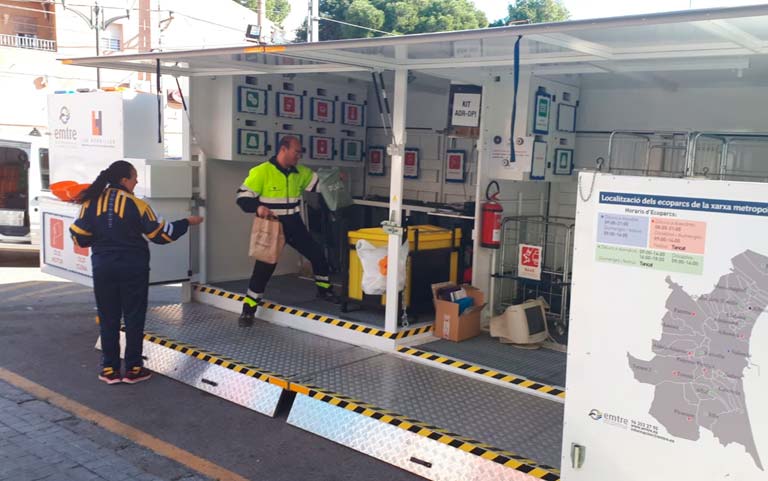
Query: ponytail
point(113, 174)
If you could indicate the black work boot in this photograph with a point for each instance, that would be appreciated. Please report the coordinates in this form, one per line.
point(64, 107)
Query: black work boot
point(247, 316)
point(326, 294)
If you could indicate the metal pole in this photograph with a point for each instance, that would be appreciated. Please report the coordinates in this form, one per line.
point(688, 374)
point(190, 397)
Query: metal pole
point(159, 103)
point(397, 151)
point(261, 16)
point(724, 158)
point(690, 161)
point(96, 29)
point(314, 16)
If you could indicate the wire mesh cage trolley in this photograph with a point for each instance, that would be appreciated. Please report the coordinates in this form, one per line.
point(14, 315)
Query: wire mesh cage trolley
point(551, 238)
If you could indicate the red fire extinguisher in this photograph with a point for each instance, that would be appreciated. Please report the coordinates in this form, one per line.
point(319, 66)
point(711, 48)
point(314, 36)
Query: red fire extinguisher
point(491, 218)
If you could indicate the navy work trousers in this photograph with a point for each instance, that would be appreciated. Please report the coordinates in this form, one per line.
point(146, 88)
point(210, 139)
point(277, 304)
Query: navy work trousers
point(121, 293)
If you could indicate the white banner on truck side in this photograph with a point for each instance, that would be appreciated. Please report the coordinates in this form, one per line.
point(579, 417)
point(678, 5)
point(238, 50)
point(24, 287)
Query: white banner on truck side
point(86, 134)
point(91, 130)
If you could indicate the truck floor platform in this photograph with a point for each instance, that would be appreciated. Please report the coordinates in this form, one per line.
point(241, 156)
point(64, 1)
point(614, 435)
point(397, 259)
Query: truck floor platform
point(347, 393)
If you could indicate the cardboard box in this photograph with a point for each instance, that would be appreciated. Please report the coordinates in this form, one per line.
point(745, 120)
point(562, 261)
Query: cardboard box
point(448, 323)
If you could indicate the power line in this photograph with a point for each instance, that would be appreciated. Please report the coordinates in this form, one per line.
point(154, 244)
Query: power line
point(169, 48)
point(172, 12)
point(208, 21)
point(8, 73)
point(165, 10)
point(357, 26)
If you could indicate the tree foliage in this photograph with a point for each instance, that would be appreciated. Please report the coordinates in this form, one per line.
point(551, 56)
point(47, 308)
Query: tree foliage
point(535, 11)
point(396, 16)
point(277, 10)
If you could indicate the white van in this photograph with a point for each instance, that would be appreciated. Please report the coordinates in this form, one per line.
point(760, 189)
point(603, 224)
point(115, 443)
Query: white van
point(23, 176)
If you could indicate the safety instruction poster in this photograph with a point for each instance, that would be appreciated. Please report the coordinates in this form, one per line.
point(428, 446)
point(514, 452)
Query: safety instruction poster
point(668, 342)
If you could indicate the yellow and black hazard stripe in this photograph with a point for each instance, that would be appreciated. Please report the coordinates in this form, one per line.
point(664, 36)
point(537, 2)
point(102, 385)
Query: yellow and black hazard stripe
point(219, 360)
point(485, 451)
point(372, 331)
point(219, 292)
point(477, 448)
point(499, 376)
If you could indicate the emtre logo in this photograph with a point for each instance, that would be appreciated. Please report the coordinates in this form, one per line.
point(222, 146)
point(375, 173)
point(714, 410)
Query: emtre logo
point(66, 133)
point(64, 115)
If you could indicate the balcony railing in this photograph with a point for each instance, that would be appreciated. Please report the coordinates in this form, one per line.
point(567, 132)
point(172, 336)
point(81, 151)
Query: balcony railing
point(18, 41)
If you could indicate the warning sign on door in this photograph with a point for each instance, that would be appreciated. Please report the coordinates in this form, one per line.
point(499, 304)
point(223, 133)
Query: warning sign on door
point(529, 263)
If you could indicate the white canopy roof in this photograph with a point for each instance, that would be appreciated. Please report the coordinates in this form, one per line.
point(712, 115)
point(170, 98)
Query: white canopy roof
point(689, 41)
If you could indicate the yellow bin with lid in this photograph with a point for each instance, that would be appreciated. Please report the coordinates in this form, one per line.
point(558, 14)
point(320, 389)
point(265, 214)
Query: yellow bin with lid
point(430, 238)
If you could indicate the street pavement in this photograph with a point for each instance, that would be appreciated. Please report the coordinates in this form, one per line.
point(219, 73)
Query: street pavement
point(47, 337)
point(39, 441)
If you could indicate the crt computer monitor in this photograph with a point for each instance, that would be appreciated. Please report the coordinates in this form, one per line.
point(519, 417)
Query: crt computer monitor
point(524, 323)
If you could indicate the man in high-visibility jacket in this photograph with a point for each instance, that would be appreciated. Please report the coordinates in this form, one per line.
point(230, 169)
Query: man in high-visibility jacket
point(274, 188)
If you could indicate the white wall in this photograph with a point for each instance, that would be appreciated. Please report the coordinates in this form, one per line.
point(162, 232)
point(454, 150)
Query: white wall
point(562, 199)
point(522, 197)
point(211, 111)
point(216, 118)
point(427, 106)
point(430, 185)
point(215, 122)
point(228, 228)
point(426, 121)
point(686, 110)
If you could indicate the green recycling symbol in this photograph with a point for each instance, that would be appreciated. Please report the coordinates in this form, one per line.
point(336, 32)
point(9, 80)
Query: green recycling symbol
point(252, 100)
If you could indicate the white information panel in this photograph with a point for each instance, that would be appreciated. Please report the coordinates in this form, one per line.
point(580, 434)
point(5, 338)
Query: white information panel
point(668, 347)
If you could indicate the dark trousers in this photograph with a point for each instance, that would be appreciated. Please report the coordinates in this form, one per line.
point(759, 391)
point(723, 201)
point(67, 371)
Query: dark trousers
point(121, 293)
point(296, 236)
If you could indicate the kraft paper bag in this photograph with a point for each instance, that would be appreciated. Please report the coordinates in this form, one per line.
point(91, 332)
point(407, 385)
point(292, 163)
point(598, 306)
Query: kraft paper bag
point(267, 240)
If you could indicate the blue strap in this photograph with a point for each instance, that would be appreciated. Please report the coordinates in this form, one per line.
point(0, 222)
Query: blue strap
point(514, 100)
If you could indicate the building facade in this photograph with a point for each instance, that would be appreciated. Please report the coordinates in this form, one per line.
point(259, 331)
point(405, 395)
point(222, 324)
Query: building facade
point(33, 35)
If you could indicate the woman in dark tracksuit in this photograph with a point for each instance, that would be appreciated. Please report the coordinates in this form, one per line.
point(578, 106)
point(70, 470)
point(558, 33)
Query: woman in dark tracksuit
point(114, 224)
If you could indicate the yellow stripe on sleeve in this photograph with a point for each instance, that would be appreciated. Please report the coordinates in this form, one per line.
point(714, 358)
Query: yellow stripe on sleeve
point(154, 233)
point(77, 230)
point(83, 208)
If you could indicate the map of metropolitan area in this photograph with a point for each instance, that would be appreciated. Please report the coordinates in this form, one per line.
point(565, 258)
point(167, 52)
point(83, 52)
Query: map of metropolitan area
point(703, 353)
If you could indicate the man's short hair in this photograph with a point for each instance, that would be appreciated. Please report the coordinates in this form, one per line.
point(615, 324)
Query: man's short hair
point(287, 141)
